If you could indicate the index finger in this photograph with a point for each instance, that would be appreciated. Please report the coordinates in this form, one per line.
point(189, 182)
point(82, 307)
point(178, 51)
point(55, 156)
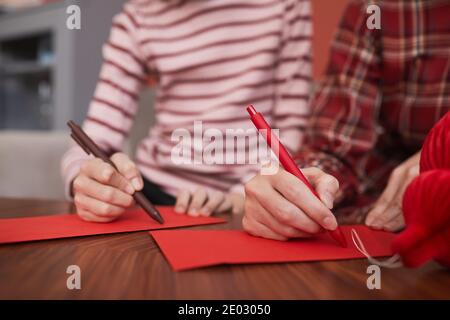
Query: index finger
point(105, 174)
point(283, 210)
point(299, 194)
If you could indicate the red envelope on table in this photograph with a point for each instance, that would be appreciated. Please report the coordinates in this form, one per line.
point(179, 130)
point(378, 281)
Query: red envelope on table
point(70, 225)
point(188, 249)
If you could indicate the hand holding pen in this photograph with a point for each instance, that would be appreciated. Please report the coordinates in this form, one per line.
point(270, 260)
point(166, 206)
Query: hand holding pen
point(105, 187)
point(288, 204)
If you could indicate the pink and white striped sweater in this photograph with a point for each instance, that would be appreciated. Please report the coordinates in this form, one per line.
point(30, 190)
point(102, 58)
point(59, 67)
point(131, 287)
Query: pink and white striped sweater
point(211, 58)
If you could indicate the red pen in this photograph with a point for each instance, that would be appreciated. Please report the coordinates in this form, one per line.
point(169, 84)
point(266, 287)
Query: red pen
point(288, 163)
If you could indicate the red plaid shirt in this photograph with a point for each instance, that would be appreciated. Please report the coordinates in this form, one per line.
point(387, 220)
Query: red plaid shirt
point(383, 91)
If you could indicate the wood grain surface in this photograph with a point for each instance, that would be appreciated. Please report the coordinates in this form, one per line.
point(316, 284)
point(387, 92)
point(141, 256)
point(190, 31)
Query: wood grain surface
point(131, 266)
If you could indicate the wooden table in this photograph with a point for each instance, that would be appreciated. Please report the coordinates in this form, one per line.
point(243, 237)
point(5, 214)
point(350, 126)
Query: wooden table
point(131, 266)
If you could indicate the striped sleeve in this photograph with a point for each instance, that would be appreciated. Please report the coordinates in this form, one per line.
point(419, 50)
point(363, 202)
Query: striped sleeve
point(112, 109)
point(293, 74)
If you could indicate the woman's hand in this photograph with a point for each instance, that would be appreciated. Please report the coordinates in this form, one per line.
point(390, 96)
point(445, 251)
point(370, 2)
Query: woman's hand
point(101, 194)
point(387, 213)
point(200, 203)
point(281, 206)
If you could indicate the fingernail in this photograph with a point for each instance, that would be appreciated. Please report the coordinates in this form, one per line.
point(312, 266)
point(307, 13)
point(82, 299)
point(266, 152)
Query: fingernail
point(193, 211)
point(179, 209)
point(136, 182)
point(330, 223)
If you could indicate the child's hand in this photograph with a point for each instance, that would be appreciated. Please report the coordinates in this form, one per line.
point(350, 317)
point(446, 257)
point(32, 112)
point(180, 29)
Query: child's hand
point(280, 206)
point(101, 194)
point(200, 203)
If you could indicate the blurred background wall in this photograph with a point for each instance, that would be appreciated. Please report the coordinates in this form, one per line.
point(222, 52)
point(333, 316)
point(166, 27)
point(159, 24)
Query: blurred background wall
point(326, 17)
point(48, 74)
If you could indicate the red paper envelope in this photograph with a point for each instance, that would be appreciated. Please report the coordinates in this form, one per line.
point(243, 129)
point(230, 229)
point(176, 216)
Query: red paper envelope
point(70, 225)
point(188, 249)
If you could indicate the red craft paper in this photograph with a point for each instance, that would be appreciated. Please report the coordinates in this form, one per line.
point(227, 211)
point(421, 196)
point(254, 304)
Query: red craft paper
point(188, 249)
point(70, 225)
point(426, 208)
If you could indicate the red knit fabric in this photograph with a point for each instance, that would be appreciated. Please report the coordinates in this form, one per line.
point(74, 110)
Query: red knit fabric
point(426, 207)
point(436, 149)
point(426, 203)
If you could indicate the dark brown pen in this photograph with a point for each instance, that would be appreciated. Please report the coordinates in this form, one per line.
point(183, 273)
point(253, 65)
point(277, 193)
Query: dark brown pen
point(89, 146)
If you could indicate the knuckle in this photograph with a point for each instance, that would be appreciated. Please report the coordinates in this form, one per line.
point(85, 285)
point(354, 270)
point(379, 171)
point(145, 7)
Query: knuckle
point(105, 209)
point(251, 209)
point(250, 187)
point(78, 183)
point(285, 215)
point(129, 201)
point(77, 200)
point(108, 194)
point(291, 193)
point(290, 232)
point(107, 174)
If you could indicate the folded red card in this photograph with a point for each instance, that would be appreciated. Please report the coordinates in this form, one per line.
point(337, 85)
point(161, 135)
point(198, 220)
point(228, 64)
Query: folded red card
point(202, 248)
point(70, 225)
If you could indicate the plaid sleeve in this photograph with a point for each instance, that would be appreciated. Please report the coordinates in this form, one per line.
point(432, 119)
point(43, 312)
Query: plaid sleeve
point(344, 108)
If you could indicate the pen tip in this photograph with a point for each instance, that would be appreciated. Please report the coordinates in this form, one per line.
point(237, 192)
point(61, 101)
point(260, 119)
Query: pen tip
point(339, 237)
point(251, 110)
